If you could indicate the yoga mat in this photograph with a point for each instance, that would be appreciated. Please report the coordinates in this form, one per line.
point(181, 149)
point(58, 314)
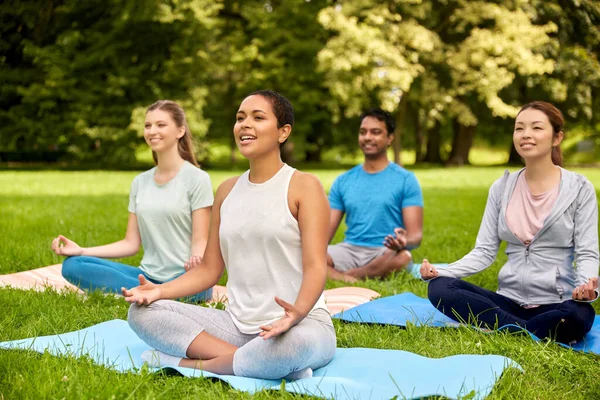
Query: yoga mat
point(40, 279)
point(409, 308)
point(354, 373)
point(414, 269)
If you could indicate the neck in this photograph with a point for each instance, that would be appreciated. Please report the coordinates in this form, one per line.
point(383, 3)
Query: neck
point(169, 161)
point(264, 168)
point(376, 164)
point(539, 170)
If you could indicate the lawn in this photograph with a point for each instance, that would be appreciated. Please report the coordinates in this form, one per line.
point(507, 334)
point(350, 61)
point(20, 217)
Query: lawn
point(91, 208)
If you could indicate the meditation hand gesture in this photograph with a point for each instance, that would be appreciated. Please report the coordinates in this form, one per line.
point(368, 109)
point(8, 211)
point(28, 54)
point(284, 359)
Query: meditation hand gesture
point(193, 262)
point(292, 317)
point(428, 271)
point(397, 243)
point(587, 291)
point(66, 247)
point(145, 294)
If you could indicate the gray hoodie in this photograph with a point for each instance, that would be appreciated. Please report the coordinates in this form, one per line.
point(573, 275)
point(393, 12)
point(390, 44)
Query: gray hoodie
point(561, 256)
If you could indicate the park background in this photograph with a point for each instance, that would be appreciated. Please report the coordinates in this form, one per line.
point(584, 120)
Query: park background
point(77, 76)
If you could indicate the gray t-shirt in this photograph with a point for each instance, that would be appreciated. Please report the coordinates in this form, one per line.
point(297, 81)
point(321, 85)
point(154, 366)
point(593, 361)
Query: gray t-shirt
point(164, 214)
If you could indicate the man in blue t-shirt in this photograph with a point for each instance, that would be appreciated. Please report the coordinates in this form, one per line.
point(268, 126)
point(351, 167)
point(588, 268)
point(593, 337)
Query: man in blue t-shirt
point(383, 204)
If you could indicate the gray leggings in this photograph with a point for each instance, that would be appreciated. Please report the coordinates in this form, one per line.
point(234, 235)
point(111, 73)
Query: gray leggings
point(171, 326)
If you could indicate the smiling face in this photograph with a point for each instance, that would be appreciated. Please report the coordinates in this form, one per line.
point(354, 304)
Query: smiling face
point(373, 137)
point(256, 130)
point(161, 132)
point(534, 136)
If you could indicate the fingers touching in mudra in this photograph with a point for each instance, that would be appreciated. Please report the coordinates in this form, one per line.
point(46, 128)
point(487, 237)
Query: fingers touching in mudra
point(144, 294)
point(586, 291)
point(428, 271)
point(397, 241)
point(292, 317)
point(66, 247)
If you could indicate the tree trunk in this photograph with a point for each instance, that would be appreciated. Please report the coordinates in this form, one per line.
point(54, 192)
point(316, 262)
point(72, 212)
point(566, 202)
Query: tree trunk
point(461, 144)
point(397, 143)
point(314, 140)
point(434, 142)
point(514, 158)
point(233, 147)
point(287, 154)
point(419, 136)
point(312, 155)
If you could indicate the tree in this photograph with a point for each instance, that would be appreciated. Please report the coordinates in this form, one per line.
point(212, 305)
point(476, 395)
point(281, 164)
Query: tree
point(270, 45)
point(452, 60)
point(92, 64)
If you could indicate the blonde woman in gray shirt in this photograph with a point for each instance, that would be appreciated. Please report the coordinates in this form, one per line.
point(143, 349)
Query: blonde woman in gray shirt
point(169, 213)
point(548, 216)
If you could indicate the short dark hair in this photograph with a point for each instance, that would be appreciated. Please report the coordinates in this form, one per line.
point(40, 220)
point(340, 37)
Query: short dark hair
point(383, 116)
point(282, 108)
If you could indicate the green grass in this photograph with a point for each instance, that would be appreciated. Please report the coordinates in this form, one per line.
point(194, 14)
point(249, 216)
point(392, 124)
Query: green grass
point(91, 208)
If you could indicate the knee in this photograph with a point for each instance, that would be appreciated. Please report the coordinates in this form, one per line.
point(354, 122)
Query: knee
point(439, 288)
point(581, 313)
point(329, 261)
point(402, 259)
point(137, 317)
point(70, 266)
point(288, 352)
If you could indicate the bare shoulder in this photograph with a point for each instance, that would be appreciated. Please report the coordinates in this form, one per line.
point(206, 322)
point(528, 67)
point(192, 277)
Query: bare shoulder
point(225, 188)
point(303, 182)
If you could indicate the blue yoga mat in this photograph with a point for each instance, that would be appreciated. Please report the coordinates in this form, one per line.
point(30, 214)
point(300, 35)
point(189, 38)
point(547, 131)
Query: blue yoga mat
point(409, 308)
point(352, 374)
point(415, 269)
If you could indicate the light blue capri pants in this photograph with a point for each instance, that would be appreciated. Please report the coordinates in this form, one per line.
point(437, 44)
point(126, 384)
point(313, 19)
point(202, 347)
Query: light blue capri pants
point(93, 273)
point(171, 326)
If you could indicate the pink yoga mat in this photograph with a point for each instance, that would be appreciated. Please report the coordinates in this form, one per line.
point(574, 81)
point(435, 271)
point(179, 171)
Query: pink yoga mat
point(39, 279)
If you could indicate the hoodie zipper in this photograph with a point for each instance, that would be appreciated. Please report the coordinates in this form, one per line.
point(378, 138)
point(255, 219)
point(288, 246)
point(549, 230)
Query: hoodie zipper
point(525, 272)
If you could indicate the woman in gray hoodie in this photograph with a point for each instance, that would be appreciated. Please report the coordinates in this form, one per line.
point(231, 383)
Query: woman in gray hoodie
point(548, 216)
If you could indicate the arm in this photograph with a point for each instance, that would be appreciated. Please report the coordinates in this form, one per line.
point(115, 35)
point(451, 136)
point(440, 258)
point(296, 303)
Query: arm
point(585, 237)
point(412, 216)
point(312, 210)
point(126, 247)
point(335, 217)
point(413, 222)
point(337, 207)
point(200, 226)
point(197, 279)
point(308, 197)
point(487, 243)
point(201, 201)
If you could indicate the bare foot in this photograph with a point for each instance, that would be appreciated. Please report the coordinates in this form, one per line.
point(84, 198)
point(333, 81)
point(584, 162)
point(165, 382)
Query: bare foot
point(340, 276)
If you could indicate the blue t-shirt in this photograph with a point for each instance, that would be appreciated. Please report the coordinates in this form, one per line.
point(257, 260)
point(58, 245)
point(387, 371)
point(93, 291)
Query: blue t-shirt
point(373, 203)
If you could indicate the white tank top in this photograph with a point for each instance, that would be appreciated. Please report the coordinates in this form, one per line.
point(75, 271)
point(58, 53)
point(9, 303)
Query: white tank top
point(262, 250)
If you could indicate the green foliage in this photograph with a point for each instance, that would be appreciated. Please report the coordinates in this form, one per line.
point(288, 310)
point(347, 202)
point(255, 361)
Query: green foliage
point(94, 62)
point(76, 76)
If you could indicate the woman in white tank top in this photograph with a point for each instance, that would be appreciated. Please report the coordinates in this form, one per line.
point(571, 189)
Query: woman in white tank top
point(269, 229)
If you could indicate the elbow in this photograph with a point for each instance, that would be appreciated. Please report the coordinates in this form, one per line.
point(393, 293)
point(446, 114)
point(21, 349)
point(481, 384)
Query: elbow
point(316, 273)
point(132, 248)
point(415, 240)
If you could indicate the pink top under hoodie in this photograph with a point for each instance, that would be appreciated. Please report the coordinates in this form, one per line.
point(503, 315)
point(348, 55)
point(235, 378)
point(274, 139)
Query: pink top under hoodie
point(526, 211)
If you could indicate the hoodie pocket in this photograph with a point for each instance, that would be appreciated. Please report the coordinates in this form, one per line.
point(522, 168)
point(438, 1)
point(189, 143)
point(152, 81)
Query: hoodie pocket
point(543, 281)
point(558, 286)
point(507, 277)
